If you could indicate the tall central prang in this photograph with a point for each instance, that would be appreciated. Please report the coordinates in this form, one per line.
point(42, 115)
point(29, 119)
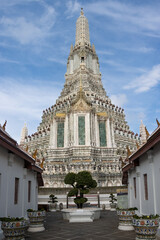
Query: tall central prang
point(83, 130)
point(83, 65)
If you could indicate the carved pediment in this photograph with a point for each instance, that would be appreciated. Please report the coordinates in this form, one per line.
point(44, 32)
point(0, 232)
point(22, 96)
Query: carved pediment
point(81, 106)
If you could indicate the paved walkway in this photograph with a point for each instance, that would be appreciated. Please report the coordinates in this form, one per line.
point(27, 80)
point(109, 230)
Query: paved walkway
point(106, 228)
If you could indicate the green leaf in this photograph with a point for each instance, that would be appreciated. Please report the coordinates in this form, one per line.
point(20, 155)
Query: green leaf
point(73, 192)
point(70, 178)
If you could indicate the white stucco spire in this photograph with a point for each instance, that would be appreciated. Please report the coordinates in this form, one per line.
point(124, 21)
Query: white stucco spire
point(82, 30)
point(24, 133)
point(143, 132)
point(71, 49)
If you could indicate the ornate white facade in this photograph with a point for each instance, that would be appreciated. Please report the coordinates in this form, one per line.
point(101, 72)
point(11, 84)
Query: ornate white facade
point(83, 130)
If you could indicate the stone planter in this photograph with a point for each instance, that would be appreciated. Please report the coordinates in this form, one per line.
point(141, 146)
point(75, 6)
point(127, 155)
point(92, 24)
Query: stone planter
point(113, 206)
point(125, 219)
point(53, 207)
point(15, 229)
point(81, 215)
point(36, 219)
point(146, 228)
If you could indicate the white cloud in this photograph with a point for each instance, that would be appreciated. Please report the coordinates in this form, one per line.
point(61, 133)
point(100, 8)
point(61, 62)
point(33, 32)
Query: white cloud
point(123, 67)
point(141, 115)
point(25, 100)
point(139, 49)
point(7, 3)
point(142, 18)
point(2, 59)
point(72, 7)
point(26, 30)
point(104, 52)
point(146, 81)
point(56, 60)
point(119, 99)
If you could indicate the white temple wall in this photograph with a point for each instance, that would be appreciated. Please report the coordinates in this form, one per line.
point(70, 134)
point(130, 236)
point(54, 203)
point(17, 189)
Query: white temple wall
point(11, 167)
point(156, 174)
point(150, 165)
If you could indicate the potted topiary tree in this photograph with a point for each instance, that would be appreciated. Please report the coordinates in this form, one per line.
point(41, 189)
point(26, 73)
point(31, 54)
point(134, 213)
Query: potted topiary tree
point(14, 228)
point(81, 182)
point(112, 201)
point(53, 202)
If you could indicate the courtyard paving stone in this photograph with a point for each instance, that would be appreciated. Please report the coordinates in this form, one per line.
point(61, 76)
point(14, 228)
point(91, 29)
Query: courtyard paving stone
point(104, 228)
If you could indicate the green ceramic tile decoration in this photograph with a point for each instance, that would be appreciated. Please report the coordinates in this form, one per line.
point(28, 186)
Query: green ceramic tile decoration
point(102, 134)
point(81, 130)
point(60, 134)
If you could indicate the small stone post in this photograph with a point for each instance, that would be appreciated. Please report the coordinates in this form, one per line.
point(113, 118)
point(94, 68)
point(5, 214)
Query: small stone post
point(98, 199)
point(67, 200)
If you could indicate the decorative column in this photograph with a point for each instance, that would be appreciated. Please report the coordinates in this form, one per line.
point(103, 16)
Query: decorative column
point(91, 130)
point(71, 129)
point(97, 131)
point(54, 133)
point(152, 174)
point(66, 132)
point(139, 188)
point(75, 130)
point(93, 134)
point(87, 129)
point(112, 133)
point(51, 135)
point(108, 133)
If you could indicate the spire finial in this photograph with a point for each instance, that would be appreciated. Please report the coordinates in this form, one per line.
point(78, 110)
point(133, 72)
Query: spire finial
point(128, 151)
point(137, 145)
point(82, 13)
point(34, 155)
point(4, 125)
point(147, 133)
point(41, 164)
point(158, 123)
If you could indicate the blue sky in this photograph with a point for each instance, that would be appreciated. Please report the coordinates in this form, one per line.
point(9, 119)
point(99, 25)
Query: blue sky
point(35, 39)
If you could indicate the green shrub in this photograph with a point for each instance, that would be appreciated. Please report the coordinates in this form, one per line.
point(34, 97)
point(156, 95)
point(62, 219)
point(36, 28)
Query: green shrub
point(11, 219)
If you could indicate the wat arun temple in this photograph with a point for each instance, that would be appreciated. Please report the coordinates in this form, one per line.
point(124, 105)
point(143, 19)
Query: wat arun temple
point(83, 130)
